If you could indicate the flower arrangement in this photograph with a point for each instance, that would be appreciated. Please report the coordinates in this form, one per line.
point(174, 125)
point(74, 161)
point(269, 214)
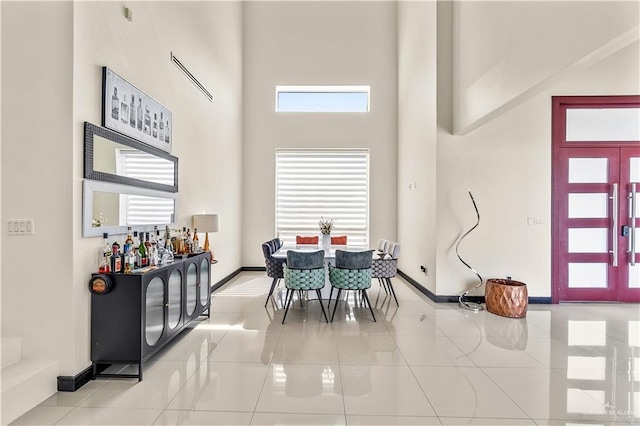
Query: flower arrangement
point(99, 221)
point(326, 225)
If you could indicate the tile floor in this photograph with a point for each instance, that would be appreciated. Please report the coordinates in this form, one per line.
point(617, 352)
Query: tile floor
point(419, 364)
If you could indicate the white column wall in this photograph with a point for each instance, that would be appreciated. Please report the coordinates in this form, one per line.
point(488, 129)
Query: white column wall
point(317, 43)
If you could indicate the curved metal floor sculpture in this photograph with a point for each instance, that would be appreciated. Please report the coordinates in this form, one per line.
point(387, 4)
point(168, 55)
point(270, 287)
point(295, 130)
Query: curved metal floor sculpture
point(472, 306)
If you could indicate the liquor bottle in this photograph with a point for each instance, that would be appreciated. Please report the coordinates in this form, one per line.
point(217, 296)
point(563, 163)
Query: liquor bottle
point(155, 125)
point(116, 260)
point(161, 128)
point(168, 244)
point(166, 132)
point(147, 121)
point(128, 243)
point(189, 241)
point(142, 252)
point(196, 240)
point(115, 105)
point(104, 256)
point(132, 112)
point(139, 114)
point(129, 259)
point(184, 240)
point(124, 110)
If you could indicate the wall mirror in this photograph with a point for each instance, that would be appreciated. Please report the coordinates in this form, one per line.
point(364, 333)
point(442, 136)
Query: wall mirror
point(110, 207)
point(112, 157)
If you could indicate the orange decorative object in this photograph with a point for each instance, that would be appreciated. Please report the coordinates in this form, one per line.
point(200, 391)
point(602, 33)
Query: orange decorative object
point(306, 240)
point(339, 241)
point(507, 298)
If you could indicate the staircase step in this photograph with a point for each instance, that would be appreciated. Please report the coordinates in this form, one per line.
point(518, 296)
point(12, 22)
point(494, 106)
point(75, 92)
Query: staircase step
point(11, 350)
point(26, 384)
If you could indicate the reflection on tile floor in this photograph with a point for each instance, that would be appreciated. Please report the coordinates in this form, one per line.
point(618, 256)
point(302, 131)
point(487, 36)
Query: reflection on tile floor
point(420, 364)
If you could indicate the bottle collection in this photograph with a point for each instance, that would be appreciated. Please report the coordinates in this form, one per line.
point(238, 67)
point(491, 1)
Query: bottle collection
point(132, 114)
point(147, 249)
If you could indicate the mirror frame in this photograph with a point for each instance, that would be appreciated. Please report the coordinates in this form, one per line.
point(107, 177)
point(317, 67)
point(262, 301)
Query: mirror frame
point(90, 173)
point(89, 187)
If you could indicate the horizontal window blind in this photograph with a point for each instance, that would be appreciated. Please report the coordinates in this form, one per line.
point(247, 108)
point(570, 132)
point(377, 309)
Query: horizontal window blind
point(142, 210)
point(324, 183)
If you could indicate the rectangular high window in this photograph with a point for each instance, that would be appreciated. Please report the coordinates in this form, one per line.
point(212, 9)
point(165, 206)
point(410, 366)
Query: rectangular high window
point(322, 98)
point(333, 184)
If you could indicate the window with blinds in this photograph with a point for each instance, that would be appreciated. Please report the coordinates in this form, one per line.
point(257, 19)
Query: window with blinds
point(138, 209)
point(311, 184)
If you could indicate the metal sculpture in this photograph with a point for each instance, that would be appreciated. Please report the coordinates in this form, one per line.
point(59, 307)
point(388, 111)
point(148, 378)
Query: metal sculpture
point(472, 306)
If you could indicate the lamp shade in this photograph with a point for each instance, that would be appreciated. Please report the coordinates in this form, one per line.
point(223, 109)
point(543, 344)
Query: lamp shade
point(206, 222)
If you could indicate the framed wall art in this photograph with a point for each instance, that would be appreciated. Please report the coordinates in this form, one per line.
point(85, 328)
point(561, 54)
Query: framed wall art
point(130, 111)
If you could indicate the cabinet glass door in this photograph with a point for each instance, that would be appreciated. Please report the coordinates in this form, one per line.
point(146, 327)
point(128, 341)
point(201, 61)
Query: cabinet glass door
point(154, 315)
point(204, 282)
point(192, 288)
point(174, 298)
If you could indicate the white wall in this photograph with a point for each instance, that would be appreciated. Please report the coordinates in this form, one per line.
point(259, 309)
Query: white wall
point(505, 49)
point(417, 140)
point(56, 51)
point(317, 43)
point(506, 162)
point(37, 175)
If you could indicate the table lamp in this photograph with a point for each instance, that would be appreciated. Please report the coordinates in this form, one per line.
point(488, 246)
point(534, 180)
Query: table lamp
point(206, 223)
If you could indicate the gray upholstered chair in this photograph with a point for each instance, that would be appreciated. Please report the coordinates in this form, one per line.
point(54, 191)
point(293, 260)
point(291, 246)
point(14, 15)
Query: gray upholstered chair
point(273, 265)
point(352, 272)
point(304, 271)
point(386, 268)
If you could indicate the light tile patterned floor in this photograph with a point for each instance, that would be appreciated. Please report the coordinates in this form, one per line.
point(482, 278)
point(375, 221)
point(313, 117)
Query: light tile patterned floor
point(420, 364)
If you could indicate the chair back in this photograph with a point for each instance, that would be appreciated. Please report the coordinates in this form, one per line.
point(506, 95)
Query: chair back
point(300, 239)
point(305, 259)
point(273, 265)
point(393, 250)
point(339, 240)
point(270, 247)
point(382, 245)
point(353, 259)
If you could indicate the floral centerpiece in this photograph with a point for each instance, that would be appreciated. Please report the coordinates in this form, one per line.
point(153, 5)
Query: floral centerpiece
point(326, 225)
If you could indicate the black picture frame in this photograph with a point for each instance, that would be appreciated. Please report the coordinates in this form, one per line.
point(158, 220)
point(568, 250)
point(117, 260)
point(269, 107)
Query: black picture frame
point(92, 172)
point(122, 102)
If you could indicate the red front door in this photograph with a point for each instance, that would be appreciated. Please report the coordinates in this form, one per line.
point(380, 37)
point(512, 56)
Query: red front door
point(595, 240)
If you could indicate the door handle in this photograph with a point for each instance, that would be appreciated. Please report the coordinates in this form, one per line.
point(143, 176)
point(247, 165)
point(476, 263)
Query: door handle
point(614, 213)
point(632, 240)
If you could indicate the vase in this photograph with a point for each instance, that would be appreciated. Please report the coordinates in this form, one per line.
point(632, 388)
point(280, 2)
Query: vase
point(326, 241)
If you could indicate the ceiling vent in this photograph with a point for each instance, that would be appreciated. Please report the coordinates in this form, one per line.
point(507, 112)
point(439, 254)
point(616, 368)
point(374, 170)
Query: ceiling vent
point(190, 76)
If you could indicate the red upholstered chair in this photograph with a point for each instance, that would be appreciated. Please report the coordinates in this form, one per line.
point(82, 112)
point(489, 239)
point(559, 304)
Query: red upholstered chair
point(306, 240)
point(339, 241)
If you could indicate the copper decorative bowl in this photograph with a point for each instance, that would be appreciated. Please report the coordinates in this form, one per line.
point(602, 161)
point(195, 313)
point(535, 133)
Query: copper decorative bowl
point(507, 298)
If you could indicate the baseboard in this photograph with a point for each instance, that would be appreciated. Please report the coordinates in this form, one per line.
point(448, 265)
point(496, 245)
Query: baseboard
point(254, 268)
point(226, 279)
point(73, 383)
point(454, 299)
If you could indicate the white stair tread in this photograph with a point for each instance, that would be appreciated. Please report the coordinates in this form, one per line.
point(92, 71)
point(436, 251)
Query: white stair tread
point(22, 370)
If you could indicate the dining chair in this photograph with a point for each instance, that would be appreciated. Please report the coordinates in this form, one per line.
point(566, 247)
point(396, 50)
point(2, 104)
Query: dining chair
point(273, 265)
point(352, 272)
point(300, 239)
point(386, 268)
point(340, 240)
point(304, 271)
point(382, 246)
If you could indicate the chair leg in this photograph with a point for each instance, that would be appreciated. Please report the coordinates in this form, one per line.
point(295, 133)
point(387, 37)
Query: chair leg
point(322, 306)
point(383, 285)
point(364, 292)
point(273, 286)
point(329, 301)
point(287, 300)
point(300, 297)
point(392, 290)
point(336, 305)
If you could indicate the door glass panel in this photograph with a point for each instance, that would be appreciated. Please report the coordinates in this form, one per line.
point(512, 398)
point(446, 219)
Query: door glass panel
point(634, 276)
point(588, 170)
point(603, 124)
point(175, 298)
point(154, 318)
point(634, 169)
point(192, 288)
point(588, 205)
point(587, 275)
point(586, 367)
point(204, 282)
point(586, 333)
point(588, 240)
